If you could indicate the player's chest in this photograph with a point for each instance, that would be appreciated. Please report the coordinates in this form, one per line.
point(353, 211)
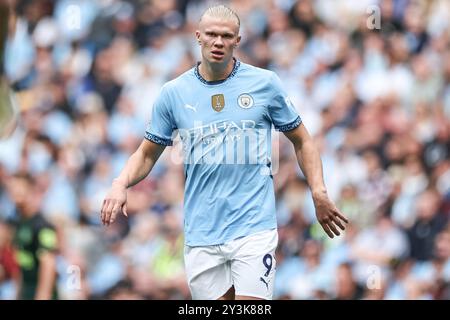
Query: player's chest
point(215, 105)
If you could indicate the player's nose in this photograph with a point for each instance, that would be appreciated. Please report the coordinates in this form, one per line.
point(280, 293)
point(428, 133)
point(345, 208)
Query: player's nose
point(219, 42)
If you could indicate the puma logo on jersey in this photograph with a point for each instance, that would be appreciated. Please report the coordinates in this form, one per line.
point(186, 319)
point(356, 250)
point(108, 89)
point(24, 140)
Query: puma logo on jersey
point(265, 282)
point(188, 106)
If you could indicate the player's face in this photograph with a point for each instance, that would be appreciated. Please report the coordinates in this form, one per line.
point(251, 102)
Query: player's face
point(19, 191)
point(218, 38)
point(23, 195)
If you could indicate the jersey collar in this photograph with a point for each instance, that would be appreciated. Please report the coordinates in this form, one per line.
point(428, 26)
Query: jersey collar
point(236, 66)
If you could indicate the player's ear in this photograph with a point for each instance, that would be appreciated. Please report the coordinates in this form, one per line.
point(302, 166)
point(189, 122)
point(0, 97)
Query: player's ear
point(197, 35)
point(238, 40)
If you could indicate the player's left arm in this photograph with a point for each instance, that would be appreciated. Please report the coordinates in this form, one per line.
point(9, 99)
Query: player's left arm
point(47, 276)
point(309, 160)
point(47, 263)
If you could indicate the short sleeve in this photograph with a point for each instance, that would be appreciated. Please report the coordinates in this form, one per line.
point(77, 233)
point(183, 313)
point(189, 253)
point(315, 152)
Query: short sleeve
point(281, 110)
point(47, 239)
point(161, 125)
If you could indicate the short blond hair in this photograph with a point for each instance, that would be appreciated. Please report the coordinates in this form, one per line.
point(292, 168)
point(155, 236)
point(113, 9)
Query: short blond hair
point(222, 12)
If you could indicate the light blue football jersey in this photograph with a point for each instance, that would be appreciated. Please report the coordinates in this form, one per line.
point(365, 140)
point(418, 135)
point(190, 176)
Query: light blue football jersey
point(225, 129)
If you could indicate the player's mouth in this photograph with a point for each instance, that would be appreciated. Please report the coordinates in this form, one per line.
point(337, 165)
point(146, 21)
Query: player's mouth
point(217, 54)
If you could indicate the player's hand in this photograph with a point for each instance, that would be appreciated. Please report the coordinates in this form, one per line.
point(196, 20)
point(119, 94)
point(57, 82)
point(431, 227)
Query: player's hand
point(329, 216)
point(115, 202)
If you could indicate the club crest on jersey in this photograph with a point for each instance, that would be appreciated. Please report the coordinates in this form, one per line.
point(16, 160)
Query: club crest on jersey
point(245, 101)
point(218, 102)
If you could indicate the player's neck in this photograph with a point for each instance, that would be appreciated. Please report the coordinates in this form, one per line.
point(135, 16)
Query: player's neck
point(215, 72)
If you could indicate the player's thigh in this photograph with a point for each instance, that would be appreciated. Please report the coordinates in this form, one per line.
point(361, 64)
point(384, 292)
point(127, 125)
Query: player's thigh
point(253, 265)
point(208, 273)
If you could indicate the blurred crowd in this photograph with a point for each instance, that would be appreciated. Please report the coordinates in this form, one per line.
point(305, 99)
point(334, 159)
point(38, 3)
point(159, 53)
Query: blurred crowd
point(377, 102)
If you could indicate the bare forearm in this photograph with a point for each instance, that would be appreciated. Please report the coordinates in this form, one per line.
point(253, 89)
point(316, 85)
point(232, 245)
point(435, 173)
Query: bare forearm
point(136, 169)
point(138, 166)
point(309, 161)
point(47, 275)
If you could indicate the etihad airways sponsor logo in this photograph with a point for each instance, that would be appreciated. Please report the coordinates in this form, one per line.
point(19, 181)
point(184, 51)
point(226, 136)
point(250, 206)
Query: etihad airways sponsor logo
point(228, 142)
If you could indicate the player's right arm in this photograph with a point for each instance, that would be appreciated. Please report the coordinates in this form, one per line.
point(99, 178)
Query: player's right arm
point(137, 168)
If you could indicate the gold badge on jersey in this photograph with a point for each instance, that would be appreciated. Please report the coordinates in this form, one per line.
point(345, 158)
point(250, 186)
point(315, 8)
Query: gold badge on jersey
point(218, 102)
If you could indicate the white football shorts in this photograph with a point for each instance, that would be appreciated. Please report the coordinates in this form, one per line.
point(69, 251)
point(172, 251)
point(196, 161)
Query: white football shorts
point(247, 263)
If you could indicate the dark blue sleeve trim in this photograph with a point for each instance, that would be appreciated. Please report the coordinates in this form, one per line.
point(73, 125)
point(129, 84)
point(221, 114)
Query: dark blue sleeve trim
point(287, 127)
point(158, 140)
